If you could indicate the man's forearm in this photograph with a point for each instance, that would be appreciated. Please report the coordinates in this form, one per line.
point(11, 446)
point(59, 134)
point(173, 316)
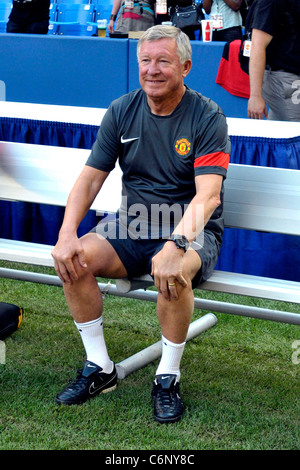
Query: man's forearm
point(257, 65)
point(80, 200)
point(74, 213)
point(199, 211)
point(116, 7)
point(256, 105)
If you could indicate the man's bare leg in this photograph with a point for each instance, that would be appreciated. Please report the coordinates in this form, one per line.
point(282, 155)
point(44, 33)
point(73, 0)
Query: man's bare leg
point(84, 299)
point(174, 317)
point(83, 296)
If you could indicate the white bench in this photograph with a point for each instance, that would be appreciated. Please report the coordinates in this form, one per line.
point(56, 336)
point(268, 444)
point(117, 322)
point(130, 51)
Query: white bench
point(256, 198)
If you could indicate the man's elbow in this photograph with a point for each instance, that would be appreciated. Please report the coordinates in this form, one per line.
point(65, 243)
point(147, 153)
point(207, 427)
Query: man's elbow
point(215, 201)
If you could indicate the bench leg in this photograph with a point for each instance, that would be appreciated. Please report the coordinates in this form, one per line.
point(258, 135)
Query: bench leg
point(153, 352)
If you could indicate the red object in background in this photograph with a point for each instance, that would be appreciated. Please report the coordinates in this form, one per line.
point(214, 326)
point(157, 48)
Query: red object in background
point(230, 76)
point(207, 32)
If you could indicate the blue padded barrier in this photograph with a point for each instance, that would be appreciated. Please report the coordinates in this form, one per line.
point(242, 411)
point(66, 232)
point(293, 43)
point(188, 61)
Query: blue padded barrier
point(49, 63)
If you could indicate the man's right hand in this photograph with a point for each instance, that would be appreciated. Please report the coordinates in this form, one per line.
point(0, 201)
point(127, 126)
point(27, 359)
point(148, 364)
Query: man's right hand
point(68, 258)
point(257, 108)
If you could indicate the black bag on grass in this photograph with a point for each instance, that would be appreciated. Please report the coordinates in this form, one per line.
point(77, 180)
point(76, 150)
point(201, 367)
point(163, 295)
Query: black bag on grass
point(11, 317)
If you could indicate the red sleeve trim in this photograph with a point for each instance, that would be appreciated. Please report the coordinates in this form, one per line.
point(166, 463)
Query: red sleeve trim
point(213, 159)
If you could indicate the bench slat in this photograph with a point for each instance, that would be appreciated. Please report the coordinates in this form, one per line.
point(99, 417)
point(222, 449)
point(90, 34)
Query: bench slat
point(231, 283)
point(45, 174)
point(255, 286)
point(26, 252)
point(262, 199)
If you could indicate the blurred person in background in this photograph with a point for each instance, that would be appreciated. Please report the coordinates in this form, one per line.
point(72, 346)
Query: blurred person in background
point(29, 17)
point(130, 15)
point(274, 65)
point(226, 17)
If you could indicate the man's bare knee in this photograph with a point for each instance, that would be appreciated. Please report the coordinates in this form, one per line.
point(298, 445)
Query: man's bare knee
point(102, 259)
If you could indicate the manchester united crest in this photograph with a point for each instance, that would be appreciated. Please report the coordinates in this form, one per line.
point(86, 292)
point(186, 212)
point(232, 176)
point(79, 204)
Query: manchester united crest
point(182, 146)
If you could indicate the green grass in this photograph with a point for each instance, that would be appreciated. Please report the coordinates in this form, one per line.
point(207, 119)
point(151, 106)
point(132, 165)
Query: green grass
point(239, 384)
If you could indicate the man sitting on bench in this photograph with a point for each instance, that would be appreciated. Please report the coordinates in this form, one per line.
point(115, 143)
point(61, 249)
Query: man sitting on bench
point(173, 148)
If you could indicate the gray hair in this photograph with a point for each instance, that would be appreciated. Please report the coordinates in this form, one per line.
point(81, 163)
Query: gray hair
point(156, 32)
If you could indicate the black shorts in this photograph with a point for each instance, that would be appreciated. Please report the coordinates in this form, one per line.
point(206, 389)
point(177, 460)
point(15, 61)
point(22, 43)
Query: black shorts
point(136, 253)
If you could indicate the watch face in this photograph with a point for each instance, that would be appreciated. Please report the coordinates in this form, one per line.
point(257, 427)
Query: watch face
point(180, 242)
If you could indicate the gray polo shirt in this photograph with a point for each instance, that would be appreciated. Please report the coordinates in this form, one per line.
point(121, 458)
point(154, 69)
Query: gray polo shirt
point(161, 155)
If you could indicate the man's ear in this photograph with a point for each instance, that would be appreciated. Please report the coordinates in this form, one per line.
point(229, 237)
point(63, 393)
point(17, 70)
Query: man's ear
point(187, 68)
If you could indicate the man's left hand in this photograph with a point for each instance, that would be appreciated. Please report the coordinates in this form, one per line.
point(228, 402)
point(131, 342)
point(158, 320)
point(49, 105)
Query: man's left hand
point(167, 267)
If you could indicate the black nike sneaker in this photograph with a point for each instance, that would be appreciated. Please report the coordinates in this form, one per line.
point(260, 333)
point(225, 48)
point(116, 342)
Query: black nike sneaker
point(90, 382)
point(168, 406)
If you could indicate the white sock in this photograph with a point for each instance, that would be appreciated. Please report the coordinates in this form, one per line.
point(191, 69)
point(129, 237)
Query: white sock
point(93, 341)
point(170, 358)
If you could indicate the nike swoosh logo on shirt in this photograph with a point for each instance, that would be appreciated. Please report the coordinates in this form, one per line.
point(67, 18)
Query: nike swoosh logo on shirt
point(123, 141)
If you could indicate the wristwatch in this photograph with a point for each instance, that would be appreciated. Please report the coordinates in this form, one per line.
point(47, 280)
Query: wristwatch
point(113, 17)
point(180, 241)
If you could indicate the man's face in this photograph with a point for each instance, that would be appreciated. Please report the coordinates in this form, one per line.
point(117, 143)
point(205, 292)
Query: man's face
point(160, 71)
